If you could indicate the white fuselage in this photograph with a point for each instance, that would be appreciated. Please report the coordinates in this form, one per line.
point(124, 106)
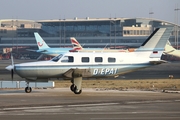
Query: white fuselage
point(92, 65)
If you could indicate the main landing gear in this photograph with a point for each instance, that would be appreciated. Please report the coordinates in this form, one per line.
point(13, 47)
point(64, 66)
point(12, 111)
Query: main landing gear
point(76, 85)
point(28, 89)
point(74, 89)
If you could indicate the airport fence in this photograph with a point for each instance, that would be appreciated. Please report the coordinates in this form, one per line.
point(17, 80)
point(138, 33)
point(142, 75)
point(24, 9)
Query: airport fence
point(22, 84)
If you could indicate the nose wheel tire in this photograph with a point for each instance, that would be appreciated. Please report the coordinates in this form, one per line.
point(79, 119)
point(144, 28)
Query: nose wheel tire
point(28, 89)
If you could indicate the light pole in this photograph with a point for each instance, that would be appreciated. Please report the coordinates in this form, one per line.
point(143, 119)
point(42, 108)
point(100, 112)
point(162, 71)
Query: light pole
point(59, 32)
point(150, 16)
point(114, 26)
point(176, 27)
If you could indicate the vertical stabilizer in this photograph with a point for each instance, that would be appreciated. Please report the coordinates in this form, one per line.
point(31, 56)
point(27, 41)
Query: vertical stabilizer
point(40, 42)
point(156, 41)
point(75, 43)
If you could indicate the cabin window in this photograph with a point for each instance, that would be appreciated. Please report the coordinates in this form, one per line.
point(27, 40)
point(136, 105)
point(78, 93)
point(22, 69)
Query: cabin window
point(98, 59)
point(111, 60)
point(85, 59)
point(67, 59)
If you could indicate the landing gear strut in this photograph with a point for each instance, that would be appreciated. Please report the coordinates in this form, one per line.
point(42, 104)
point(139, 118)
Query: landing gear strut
point(76, 85)
point(28, 89)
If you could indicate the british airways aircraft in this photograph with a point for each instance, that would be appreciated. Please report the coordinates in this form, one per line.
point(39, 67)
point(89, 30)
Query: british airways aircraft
point(77, 65)
point(77, 47)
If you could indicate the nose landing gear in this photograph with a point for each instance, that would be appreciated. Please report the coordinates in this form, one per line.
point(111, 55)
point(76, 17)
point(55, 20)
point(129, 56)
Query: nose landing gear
point(28, 89)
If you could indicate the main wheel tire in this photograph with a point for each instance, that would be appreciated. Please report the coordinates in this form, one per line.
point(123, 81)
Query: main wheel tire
point(76, 91)
point(72, 87)
point(28, 89)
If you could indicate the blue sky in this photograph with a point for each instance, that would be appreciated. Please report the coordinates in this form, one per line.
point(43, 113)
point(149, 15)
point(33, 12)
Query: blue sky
point(68, 9)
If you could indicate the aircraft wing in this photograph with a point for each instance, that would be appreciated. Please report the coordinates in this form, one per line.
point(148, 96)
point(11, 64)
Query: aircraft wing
point(167, 52)
point(158, 62)
point(77, 72)
point(37, 50)
point(41, 51)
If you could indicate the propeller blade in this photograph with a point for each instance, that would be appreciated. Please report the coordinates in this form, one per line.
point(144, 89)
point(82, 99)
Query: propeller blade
point(12, 70)
point(12, 60)
point(12, 74)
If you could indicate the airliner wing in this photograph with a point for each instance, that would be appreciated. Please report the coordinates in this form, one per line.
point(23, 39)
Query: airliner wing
point(41, 51)
point(170, 50)
point(158, 62)
point(167, 52)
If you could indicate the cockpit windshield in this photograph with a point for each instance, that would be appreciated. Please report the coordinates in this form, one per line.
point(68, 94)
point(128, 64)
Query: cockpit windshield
point(55, 59)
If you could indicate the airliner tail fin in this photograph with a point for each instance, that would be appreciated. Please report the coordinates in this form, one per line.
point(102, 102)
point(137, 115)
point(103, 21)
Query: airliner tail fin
point(76, 45)
point(40, 42)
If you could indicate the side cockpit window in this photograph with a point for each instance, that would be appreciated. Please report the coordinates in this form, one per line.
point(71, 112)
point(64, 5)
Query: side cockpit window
point(55, 59)
point(67, 59)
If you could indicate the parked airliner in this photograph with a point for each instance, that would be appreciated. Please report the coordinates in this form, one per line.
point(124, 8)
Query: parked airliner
point(45, 49)
point(78, 65)
point(170, 50)
point(77, 47)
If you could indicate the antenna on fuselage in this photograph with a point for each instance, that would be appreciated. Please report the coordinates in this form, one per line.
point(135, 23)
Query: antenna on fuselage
point(83, 45)
point(104, 47)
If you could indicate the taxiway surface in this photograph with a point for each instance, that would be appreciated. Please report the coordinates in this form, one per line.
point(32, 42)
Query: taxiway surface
point(45, 104)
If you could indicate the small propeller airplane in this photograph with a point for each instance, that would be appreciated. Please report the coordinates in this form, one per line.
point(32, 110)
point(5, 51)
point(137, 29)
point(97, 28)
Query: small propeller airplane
point(78, 65)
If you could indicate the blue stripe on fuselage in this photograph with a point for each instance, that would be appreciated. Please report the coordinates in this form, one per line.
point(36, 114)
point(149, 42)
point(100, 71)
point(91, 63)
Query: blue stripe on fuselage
point(78, 66)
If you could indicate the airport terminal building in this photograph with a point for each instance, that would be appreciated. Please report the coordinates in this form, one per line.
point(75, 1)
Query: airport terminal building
point(18, 34)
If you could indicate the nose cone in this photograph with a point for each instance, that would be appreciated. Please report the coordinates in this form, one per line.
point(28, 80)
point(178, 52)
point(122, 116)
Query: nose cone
point(10, 67)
